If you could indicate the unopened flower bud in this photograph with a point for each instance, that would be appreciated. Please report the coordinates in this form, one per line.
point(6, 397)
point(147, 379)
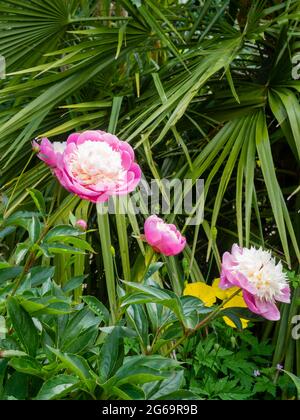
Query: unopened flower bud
point(185, 265)
point(113, 252)
point(217, 347)
point(35, 147)
point(233, 342)
point(82, 225)
point(164, 238)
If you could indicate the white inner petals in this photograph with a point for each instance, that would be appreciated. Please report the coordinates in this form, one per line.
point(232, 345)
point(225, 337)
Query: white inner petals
point(97, 163)
point(164, 228)
point(261, 270)
point(59, 147)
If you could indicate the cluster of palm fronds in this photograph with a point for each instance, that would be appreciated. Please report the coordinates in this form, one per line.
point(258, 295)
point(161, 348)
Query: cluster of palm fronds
point(202, 89)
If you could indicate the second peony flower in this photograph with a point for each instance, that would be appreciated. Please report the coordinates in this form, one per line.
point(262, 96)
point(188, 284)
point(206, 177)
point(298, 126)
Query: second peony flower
point(93, 165)
point(164, 238)
point(262, 280)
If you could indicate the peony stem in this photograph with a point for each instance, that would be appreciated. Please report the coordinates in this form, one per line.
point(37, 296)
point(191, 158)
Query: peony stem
point(105, 237)
point(173, 274)
point(202, 323)
point(29, 262)
point(149, 262)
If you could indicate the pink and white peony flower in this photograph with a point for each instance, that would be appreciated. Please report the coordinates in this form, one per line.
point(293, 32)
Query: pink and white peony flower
point(93, 165)
point(262, 280)
point(164, 238)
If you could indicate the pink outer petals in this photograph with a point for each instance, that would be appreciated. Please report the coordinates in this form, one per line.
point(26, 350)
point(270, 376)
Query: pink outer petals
point(81, 224)
point(234, 278)
point(46, 152)
point(96, 193)
point(164, 238)
point(261, 307)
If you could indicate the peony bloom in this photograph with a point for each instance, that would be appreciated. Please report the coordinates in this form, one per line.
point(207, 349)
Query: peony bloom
point(81, 224)
point(93, 165)
point(262, 280)
point(164, 238)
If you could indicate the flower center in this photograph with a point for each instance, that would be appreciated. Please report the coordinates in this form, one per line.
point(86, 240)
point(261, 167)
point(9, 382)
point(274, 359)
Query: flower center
point(261, 270)
point(97, 163)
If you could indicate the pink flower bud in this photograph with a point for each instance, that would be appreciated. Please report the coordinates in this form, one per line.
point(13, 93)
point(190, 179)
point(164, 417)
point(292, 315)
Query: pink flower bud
point(35, 147)
point(164, 238)
point(82, 225)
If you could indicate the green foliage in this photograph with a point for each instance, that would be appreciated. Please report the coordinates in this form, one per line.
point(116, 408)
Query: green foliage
point(224, 367)
point(63, 356)
point(50, 354)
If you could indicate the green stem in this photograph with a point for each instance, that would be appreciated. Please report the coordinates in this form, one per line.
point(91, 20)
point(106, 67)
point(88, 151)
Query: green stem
point(29, 262)
point(123, 238)
point(105, 237)
point(28, 265)
point(176, 282)
point(148, 265)
point(202, 323)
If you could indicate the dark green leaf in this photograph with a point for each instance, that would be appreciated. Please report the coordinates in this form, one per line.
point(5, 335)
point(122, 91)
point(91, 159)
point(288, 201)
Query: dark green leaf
point(23, 326)
point(111, 355)
point(60, 232)
point(9, 273)
point(58, 387)
point(76, 364)
point(181, 394)
point(26, 365)
point(39, 275)
point(153, 269)
point(39, 201)
point(34, 229)
point(97, 307)
point(73, 283)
